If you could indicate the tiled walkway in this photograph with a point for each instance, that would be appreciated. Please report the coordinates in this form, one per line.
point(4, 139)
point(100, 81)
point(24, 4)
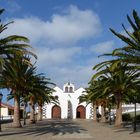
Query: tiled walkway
point(67, 130)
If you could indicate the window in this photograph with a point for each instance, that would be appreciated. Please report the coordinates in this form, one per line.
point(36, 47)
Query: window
point(66, 89)
point(71, 89)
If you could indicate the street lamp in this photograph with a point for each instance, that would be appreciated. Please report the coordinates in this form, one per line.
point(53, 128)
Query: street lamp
point(0, 109)
point(135, 127)
point(24, 104)
point(110, 98)
point(110, 114)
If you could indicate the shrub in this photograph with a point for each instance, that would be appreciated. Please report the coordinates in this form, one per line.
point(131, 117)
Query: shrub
point(138, 117)
point(126, 117)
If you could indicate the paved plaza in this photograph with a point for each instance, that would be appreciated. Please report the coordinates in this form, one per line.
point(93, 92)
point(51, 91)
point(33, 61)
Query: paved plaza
point(67, 130)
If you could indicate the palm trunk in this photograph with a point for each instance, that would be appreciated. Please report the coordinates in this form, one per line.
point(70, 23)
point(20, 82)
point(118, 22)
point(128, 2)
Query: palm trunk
point(94, 112)
point(40, 113)
point(16, 121)
point(118, 119)
point(103, 119)
point(32, 113)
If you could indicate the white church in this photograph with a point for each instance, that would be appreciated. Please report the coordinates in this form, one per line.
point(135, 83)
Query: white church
point(69, 106)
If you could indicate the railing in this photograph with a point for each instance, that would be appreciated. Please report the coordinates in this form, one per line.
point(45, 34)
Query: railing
point(6, 119)
point(130, 110)
point(9, 117)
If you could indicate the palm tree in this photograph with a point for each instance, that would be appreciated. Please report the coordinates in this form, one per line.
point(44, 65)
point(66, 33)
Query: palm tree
point(119, 81)
point(45, 98)
point(14, 77)
point(12, 45)
point(39, 91)
point(95, 97)
point(44, 94)
point(131, 52)
point(35, 94)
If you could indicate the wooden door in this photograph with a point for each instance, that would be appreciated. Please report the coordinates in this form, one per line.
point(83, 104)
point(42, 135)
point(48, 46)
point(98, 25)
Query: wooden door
point(56, 112)
point(81, 112)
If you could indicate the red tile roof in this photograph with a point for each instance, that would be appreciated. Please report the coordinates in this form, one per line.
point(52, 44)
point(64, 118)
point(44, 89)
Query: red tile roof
point(5, 105)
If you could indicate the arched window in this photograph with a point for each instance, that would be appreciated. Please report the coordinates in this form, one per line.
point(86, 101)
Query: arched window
point(71, 89)
point(66, 89)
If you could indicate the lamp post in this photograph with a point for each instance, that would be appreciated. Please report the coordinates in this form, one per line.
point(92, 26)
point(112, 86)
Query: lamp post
point(24, 104)
point(0, 109)
point(110, 103)
point(135, 127)
point(110, 114)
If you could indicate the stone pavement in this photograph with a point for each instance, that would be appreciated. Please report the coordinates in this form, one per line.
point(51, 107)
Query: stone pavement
point(67, 130)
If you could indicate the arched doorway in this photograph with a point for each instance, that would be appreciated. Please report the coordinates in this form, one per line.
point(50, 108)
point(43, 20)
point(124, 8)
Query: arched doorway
point(81, 112)
point(56, 112)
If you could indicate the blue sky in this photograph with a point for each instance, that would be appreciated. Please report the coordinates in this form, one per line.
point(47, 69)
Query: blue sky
point(68, 35)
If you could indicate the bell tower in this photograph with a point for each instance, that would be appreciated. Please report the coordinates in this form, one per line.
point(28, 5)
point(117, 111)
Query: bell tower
point(68, 88)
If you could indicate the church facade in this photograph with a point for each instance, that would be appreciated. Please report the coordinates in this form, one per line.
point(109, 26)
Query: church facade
point(69, 106)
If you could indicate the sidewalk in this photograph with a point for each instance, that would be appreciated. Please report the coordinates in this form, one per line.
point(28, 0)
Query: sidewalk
point(103, 131)
point(67, 129)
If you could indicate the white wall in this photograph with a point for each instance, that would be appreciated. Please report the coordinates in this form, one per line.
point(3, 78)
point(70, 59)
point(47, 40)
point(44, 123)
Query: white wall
point(4, 111)
point(63, 100)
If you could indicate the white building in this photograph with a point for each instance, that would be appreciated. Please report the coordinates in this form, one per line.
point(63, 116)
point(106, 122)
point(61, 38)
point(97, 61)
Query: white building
point(69, 106)
point(128, 108)
point(7, 111)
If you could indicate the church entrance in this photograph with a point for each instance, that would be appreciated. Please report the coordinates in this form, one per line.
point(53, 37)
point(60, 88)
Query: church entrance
point(56, 112)
point(81, 112)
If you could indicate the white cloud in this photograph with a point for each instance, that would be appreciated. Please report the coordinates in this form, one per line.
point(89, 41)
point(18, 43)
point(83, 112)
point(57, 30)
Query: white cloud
point(103, 47)
point(58, 56)
point(79, 75)
point(55, 42)
point(30, 27)
point(66, 28)
point(73, 26)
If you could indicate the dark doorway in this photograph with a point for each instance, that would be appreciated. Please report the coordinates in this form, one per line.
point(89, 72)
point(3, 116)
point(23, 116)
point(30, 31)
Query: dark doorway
point(81, 112)
point(78, 114)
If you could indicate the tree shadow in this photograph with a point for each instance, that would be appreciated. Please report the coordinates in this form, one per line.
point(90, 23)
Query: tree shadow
point(54, 127)
point(126, 128)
